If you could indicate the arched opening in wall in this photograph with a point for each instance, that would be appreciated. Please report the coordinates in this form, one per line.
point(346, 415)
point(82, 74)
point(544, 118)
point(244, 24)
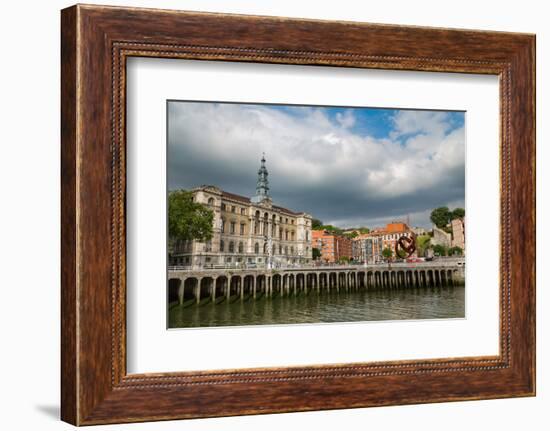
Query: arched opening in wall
point(221, 285)
point(265, 247)
point(256, 248)
point(173, 290)
point(276, 283)
point(189, 288)
point(205, 287)
point(211, 202)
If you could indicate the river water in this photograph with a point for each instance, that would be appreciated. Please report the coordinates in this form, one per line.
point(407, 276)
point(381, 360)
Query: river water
point(355, 306)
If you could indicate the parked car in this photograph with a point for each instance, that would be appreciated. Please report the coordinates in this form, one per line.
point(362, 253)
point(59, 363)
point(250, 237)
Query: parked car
point(415, 260)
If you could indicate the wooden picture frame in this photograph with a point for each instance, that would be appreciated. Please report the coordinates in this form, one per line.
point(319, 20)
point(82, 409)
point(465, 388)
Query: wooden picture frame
point(95, 43)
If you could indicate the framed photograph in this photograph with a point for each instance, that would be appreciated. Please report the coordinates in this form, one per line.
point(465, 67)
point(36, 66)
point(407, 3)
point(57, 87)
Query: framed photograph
point(262, 214)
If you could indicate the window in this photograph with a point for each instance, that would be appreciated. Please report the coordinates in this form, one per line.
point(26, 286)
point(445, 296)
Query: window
point(211, 201)
point(231, 246)
point(291, 250)
point(281, 232)
point(222, 246)
point(232, 230)
point(241, 247)
point(243, 211)
point(281, 219)
point(307, 235)
point(233, 209)
point(265, 247)
point(255, 228)
point(280, 249)
point(286, 250)
point(242, 228)
point(257, 248)
point(228, 259)
point(286, 235)
point(223, 207)
point(292, 235)
point(223, 225)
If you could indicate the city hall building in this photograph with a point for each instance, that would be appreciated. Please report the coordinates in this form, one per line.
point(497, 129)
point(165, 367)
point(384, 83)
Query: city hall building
point(247, 232)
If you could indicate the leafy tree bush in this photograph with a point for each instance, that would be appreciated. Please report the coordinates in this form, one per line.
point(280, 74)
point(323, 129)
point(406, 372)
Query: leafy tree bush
point(316, 253)
point(455, 251)
point(188, 220)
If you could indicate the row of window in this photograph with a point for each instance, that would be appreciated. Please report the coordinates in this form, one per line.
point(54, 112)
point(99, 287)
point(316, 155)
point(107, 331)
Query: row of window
point(240, 248)
point(288, 235)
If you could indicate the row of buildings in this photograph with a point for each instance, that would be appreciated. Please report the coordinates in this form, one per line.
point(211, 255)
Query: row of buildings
point(253, 232)
point(363, 247)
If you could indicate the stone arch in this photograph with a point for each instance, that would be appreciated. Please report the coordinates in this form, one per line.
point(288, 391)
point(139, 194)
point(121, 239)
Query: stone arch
point(174, 290)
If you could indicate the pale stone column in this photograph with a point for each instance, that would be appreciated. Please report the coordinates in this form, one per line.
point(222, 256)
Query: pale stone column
point(198, 290)
point(181, 290)
point(254, 286)
point(241, 285)
point(213, 290)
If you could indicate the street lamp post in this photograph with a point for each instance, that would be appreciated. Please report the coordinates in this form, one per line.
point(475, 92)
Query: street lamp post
point(269, 241)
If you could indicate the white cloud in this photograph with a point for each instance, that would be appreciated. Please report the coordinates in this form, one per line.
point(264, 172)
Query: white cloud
point(346, 120)
point(308, 154)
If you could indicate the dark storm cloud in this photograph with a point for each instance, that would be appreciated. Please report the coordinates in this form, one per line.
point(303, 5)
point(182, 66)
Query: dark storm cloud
point(318, 162)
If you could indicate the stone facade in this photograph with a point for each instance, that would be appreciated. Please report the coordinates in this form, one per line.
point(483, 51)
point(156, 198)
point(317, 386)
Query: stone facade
point(441, 237)
point(247, 232)
point(457, 225)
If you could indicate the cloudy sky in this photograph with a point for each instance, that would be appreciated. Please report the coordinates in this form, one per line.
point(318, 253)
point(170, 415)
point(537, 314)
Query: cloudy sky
point(345, 166)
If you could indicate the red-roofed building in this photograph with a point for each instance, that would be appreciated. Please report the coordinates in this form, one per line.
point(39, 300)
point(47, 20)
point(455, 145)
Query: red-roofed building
point(333, 247)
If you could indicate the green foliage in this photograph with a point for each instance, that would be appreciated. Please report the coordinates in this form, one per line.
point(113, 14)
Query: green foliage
point(351, 235)
point(387, 253)
point(316, 224)
point(455, 251)
point(440, 250)
point(458, 213)
point(440, 216)
point(344, 259)
point(316, 253)
point(188, 220)
point(364, 230)
point(332, 229)
point(422, 243)
point(400, 254)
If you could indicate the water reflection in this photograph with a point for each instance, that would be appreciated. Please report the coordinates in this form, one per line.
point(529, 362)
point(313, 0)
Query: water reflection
point(354, 306)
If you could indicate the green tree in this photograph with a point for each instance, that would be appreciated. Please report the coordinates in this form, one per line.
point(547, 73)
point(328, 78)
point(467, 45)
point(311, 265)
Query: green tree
point(455, 251)
point(351, 235)
point(344, 259)
point(316, 224)
point(458, 213)
point(440, 216)
point(387, 253)
point(422, 243)
point(188, 220)
point(316, 253)
point(364, 230)
point(333, 229)
point(440, 250)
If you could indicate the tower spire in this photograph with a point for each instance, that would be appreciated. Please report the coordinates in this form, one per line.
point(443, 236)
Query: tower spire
point(262, 185)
